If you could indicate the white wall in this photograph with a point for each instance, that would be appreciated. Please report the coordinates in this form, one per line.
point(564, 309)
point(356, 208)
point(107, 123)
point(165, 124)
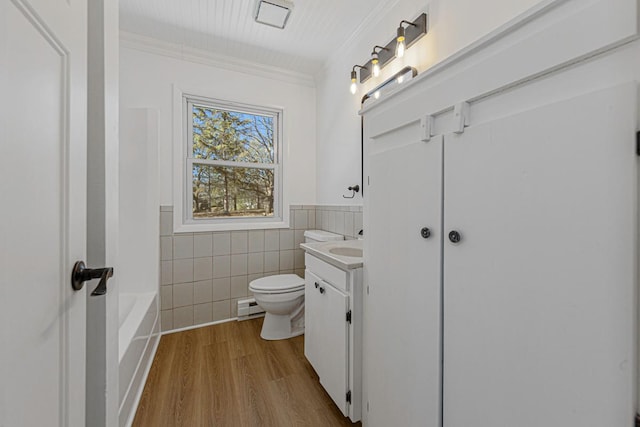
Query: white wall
point(453, 24)
point(146, 81)
point(138, 191)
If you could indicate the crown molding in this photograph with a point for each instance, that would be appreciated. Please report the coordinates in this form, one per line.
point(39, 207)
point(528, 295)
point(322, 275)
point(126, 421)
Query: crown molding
point(199, 56)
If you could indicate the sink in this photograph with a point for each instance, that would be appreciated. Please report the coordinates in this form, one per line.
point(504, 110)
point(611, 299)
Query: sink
point(344, 251)
point(345, 255)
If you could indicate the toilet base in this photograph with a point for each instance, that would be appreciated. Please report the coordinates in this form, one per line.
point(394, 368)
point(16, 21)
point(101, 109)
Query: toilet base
point(279, 327)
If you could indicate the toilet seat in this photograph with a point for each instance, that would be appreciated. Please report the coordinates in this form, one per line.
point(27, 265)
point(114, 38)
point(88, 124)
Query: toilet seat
point(278, 284)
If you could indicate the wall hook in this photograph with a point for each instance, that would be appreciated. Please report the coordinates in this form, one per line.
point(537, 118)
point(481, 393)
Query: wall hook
point(354, 189)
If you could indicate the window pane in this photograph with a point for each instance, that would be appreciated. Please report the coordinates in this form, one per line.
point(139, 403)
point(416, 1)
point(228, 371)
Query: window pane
point(232, 136)
point(220, 191)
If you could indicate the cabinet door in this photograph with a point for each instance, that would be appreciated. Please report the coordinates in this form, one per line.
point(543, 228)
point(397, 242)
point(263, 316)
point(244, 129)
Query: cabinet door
point(334, 344)
point(539, 302)
point(312, 319)
point(401, 377)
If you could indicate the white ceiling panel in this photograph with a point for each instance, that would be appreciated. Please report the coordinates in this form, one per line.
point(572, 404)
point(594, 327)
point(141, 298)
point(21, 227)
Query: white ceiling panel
point(227, 27)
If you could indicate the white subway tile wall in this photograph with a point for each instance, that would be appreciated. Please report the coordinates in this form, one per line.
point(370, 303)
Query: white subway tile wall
point(203, 275)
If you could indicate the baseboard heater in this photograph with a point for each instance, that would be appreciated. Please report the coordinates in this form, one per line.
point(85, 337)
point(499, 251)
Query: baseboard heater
point(249, 309)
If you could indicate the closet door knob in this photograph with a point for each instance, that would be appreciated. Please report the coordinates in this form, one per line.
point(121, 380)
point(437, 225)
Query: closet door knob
point(454, 236)
point(425, 232)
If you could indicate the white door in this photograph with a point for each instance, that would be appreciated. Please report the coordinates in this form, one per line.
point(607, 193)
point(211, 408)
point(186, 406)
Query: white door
point(402, 274)
point(333, 331)
point(539, 295)
point(42, 226)
point(312, 323)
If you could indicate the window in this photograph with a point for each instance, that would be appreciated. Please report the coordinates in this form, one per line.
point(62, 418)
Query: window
point(233, 163)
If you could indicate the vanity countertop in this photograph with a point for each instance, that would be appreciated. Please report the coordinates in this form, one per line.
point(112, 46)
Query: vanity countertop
point(323, 250)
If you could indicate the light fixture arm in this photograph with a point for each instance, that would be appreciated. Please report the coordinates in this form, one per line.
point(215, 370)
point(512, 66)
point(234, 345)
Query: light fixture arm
point(379, 47)
point(407, 22)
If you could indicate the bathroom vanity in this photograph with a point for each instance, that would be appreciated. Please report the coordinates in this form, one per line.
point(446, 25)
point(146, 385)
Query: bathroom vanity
point(333, 320)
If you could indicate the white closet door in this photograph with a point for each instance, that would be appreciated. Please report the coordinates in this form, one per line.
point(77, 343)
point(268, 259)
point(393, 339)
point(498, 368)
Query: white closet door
point(402, 275)
point(540, 293)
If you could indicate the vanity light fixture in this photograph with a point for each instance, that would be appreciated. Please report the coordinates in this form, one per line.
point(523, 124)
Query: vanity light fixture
point(408, 33)
point(354, 78)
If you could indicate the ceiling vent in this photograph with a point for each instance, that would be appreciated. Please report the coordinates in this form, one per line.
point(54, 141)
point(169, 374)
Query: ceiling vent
point(274, 13)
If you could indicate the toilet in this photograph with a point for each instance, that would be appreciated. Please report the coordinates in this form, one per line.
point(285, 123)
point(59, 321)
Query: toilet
point(282, 297)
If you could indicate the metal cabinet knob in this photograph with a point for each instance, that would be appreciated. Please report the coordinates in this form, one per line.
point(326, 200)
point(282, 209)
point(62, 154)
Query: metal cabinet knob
point(425, 233)
point(316, 284)
point(454, 236)
point(321, 290)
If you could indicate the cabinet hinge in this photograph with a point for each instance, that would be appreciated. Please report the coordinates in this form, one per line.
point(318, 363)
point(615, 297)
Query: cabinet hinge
point(349, 316)
point(349, 396)
point(638, 143)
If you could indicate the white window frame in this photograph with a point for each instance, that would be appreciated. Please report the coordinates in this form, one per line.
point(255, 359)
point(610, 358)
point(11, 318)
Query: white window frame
point(183, 162)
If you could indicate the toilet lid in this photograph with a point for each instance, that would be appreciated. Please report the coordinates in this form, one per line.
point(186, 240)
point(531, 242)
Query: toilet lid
point(279, 282)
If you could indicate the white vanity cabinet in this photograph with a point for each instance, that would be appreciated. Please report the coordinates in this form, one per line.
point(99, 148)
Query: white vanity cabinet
point(333, 328)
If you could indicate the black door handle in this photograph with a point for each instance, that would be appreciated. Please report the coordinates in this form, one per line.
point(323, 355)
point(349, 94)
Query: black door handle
point(316, 283)
point(321, 290)
point(81, 274)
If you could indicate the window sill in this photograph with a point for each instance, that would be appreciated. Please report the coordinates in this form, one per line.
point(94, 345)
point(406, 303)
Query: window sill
point(208, 227)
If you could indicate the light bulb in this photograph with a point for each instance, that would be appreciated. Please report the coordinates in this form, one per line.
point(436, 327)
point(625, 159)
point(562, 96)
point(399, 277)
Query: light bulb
point(376, 67)
point(375, 62)
point(354, 86)
point(376, 94)
point(400, 47)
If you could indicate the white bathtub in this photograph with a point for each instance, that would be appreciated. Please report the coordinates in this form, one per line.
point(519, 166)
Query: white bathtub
point(138, 338)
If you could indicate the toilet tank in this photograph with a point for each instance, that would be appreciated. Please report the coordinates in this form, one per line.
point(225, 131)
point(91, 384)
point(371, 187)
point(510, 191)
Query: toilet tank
point(321, 236)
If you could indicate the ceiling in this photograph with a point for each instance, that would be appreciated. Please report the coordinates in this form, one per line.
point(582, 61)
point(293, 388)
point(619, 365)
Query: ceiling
point(226, 27)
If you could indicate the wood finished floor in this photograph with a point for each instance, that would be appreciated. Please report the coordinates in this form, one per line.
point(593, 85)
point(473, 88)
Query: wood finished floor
point(226, 375)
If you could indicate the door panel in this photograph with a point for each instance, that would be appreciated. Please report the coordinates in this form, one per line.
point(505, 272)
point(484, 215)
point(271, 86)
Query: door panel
point(334, 341)
point(312, 320)
point(539, 302)
point(42, 182)
point(402, 275)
